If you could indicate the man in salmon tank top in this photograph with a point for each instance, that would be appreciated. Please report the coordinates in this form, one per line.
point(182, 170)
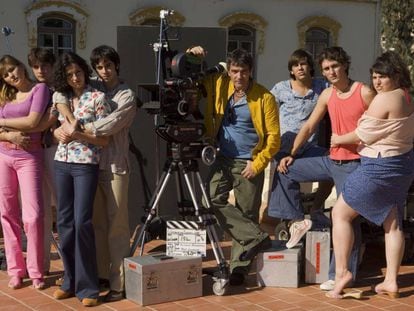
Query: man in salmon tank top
point(345, 101)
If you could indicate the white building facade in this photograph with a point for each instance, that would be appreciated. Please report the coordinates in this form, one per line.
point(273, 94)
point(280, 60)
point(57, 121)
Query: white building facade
point(271, 29)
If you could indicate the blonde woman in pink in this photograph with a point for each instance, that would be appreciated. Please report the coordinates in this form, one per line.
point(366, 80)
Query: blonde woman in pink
point(22, 104)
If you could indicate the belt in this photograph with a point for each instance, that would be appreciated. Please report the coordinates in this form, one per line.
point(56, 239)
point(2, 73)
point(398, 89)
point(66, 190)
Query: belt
point(10, 146)
point(341, 162)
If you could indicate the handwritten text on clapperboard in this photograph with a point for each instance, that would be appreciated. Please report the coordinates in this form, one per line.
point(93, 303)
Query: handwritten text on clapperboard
point(186, 242)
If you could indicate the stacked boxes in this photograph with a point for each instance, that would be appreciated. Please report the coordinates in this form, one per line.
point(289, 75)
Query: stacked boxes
point(158, 278)
point(279, 266)
point(318, 244)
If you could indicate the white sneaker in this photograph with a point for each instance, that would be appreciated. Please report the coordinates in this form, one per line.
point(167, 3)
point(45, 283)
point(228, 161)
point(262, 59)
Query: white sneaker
point(297, 230)
point(327, 285)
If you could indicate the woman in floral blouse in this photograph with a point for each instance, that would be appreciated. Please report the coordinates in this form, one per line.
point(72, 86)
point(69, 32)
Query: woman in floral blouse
point(76, 166)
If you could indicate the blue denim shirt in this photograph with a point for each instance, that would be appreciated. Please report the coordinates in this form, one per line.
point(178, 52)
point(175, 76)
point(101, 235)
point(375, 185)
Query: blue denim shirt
point(237, 135)
point(294, 110)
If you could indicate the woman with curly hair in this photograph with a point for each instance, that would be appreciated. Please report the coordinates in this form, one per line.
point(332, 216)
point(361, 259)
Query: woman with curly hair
point(76, 169)
point(22, 105)
point(378, 188)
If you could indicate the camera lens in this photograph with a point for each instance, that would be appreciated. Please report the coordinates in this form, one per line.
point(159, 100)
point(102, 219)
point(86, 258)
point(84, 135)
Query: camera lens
point(182, 108)
point(208, 155)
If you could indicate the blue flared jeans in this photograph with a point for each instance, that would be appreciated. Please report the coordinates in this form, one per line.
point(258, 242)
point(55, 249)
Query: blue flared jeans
point(76, 187)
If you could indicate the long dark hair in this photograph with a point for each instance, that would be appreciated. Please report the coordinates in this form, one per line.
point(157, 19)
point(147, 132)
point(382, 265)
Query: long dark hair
point(66, 59)
point(390, 64)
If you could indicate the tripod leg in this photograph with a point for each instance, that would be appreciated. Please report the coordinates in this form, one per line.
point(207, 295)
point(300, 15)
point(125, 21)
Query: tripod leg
point(222, 280)
point(55, 244)
point(209, 216)
point(140, 239)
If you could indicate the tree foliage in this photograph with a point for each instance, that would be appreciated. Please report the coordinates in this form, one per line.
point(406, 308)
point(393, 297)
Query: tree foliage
point(398, 29)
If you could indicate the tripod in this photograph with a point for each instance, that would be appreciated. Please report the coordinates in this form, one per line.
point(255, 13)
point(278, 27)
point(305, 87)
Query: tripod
point(178, 164)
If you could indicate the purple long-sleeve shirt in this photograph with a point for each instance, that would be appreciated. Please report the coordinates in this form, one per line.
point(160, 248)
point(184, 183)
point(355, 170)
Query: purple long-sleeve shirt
point(36, 101)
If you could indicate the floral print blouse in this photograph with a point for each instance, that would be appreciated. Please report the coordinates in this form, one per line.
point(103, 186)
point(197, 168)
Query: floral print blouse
point(93, 106)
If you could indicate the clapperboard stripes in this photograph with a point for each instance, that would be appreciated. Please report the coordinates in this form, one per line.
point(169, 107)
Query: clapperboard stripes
point(183, 224)
point(185, 238)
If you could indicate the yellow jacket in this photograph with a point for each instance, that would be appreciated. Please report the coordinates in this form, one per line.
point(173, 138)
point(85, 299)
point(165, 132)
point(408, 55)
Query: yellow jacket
point(263, 110)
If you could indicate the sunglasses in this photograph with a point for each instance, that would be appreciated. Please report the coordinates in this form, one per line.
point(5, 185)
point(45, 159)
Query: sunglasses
point(231, 115)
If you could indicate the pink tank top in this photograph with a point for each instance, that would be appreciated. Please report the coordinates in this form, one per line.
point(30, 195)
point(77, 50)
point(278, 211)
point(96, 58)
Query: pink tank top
point(344, 114)
point(407, 96)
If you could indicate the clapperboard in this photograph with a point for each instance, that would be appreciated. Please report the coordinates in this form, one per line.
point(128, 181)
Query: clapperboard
point(185, 238)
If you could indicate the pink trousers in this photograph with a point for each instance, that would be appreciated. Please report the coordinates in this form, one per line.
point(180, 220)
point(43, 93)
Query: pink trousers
point(25, 173)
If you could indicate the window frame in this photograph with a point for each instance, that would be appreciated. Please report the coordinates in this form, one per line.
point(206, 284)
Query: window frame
point(69, 9)
point(251, 38)
point(239, 39)
point(56, 32)
point(316, 51)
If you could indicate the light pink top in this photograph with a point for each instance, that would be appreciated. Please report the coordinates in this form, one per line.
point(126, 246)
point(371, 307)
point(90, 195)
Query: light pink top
point(385, 137)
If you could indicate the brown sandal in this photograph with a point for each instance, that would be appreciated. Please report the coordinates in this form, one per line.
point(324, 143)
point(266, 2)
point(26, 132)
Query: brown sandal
point(355, 293)
point(392, 295)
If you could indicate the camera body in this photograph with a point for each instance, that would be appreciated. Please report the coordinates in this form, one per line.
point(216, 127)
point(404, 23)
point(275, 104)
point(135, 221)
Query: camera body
point(179, 107)
point(181, 89)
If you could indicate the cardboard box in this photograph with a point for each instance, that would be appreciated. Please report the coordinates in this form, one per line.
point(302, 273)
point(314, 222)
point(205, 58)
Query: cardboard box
point(279, 266)
point(158, 278)
point(318, 246)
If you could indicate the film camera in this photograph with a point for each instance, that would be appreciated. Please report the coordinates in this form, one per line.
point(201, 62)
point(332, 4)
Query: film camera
point(176, 104)
point(179, 97)
point(181, 91)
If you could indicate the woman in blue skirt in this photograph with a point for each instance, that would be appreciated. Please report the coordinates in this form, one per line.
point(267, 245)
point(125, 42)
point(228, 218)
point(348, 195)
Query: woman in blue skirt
point(377, 190)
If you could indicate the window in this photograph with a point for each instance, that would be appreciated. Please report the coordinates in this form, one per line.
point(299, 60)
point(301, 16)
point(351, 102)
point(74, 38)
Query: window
point(316, 40)
point(241, 37)
point(56, 33)
point(57, 17)
point(243, 28)
point(316, 33)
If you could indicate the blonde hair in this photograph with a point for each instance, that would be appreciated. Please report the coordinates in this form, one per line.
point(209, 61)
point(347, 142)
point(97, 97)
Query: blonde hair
point(8, 92)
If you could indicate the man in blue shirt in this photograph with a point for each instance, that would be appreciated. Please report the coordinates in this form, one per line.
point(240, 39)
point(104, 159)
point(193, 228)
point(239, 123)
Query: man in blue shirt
point(242, 117)
point(297, 98)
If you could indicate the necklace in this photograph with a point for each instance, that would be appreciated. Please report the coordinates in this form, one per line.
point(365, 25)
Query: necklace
point(347, 88)
point(241, 93)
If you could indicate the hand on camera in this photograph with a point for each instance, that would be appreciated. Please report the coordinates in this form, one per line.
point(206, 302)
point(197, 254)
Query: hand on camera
point(197, 51)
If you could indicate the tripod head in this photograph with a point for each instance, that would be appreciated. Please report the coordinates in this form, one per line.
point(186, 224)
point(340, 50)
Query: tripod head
point(165, 13)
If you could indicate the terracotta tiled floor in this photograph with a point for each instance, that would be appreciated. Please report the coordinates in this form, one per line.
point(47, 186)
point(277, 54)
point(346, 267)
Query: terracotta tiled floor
point(249, 297)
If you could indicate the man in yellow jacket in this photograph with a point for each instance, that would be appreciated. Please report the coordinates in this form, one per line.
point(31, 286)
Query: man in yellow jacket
point(242, 118)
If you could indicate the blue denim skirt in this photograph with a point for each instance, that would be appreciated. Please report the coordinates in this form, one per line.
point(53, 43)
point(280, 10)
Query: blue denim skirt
point(378, 185)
